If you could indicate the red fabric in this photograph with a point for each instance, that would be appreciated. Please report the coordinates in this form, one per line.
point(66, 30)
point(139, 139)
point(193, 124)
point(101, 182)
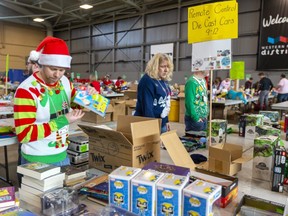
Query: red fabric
point(107, 82)
point(96, 85)
point(119, 83)
point(52, 45)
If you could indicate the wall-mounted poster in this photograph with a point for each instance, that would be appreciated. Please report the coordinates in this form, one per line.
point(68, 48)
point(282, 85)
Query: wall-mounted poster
point(162, 48)
point(273, 42)
point(211, 55)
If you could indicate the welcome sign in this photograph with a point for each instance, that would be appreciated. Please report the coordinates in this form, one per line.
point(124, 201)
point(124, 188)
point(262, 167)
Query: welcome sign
point(273, 42)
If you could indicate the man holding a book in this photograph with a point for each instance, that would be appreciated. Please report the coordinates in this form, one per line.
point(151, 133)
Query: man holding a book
point(42, 106)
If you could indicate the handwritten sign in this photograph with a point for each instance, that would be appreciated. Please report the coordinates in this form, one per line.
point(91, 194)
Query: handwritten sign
point(213, 21)
point(238, 70)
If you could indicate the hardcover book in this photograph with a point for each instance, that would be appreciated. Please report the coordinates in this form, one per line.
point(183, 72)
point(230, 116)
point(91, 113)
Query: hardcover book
point(7, 196)
point(72, 172)
point(46, 183)
point(38, 170)
point(96, 103)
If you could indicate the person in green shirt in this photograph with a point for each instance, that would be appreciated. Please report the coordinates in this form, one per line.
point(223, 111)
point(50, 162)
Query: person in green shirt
point(196, 102)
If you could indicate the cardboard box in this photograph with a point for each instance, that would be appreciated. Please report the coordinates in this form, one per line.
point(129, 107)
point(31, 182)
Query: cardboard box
point(226, 158)
point(229, 184)
point(278, 169)
point(133, 86)
point(131, 94)
point(94, 118)
point(182, 88)
point(263, 157)
point(252, 121)
point(250, 205)
point(169, 194)
point(219, 131)
point(119, 108)
point(135, 143)
point(199, 196)
point(120, 186)
point(144, 192)
point(130, 106)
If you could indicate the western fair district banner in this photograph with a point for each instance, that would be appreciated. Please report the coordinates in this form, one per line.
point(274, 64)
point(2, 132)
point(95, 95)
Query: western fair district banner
point(273, 42)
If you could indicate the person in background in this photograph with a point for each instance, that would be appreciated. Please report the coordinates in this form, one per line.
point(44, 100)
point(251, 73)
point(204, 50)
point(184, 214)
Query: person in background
point(32, 62)
point(119, 82)
point(249, 83)
point(264, 87)
point(225, 84)
point(95, 83)
point(196, 102)
point(282, 89)
point(153, 94)
point(42, 106)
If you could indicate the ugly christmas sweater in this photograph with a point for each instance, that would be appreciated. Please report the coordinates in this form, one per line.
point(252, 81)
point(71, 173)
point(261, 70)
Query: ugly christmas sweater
point(196, 99)
point(40, 122)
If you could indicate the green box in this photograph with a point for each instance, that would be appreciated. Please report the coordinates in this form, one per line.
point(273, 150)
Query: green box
point(270, 116)
point(263, 130)
point(218, 131)
point(254, 120)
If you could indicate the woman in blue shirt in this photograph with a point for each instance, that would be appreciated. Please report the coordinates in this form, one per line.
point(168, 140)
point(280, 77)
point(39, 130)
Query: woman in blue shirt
point(153, 94)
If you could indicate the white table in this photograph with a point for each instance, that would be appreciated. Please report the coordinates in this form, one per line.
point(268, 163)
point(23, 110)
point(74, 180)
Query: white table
point(280, 106)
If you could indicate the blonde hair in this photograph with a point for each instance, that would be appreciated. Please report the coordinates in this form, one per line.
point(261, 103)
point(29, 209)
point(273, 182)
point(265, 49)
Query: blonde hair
point(152, 68)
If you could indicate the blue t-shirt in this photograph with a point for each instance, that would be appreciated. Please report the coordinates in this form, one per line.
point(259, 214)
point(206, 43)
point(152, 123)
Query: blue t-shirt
point(151, 98)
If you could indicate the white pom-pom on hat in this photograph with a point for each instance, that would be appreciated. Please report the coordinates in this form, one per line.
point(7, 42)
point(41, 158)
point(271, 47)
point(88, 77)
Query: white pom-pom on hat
point(34, 56)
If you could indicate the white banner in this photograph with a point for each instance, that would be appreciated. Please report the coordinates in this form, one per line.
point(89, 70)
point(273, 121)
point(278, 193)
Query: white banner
point(162, 48)
point(211, 55)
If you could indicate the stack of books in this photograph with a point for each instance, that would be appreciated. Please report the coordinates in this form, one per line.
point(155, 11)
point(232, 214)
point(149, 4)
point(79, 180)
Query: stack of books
point(7, 198)
point(97, 190)
point(78, 151)
point(37, 179)
point(73, 175)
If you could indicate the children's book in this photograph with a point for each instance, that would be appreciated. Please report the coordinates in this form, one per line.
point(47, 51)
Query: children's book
point(96, 103)
point(7, 196)
point(38, 170)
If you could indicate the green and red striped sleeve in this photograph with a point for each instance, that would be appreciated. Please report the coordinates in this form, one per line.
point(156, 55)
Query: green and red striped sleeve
point(26, 127)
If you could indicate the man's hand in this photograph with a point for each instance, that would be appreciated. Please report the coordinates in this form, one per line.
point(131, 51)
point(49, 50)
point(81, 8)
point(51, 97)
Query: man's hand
point(74, 115)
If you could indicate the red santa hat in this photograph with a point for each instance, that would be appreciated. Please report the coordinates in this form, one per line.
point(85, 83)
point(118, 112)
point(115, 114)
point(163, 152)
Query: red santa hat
point(54, 52)
point(34, 56)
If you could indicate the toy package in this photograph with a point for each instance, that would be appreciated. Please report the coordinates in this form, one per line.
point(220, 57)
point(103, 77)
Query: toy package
point(144, 192)
point(120, 185)
point(169, 194)
point(198, 198)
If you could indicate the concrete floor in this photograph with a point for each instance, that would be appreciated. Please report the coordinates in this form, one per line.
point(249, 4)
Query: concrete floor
point(247, 185)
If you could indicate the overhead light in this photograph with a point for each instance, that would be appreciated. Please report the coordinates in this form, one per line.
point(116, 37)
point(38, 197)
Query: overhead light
point(86, 6)
point(38, 19)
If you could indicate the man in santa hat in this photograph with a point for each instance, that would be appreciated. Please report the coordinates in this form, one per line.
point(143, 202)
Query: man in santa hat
point(42, 106)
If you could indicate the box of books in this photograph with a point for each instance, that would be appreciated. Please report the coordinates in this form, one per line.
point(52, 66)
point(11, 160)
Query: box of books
point(278, 172)
point(219, 131)
point(144, 192)
point(252, 121)
point(270, 116)
point(199, 197)
point(263, 157)
point(263, 130)
point(169, 194)
point(120, 186)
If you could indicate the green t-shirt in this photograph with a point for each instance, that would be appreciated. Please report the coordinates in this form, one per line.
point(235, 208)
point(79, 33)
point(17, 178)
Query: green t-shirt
point(196, 100)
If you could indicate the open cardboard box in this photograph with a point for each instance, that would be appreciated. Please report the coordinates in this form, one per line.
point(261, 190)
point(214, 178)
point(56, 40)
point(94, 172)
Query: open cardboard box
point(134, 143)
point(223, 158)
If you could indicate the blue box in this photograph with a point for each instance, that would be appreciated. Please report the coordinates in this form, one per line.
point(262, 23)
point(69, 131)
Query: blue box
point(169, 194)
point(120, 186)
point(198, 198)
point(143, 188)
